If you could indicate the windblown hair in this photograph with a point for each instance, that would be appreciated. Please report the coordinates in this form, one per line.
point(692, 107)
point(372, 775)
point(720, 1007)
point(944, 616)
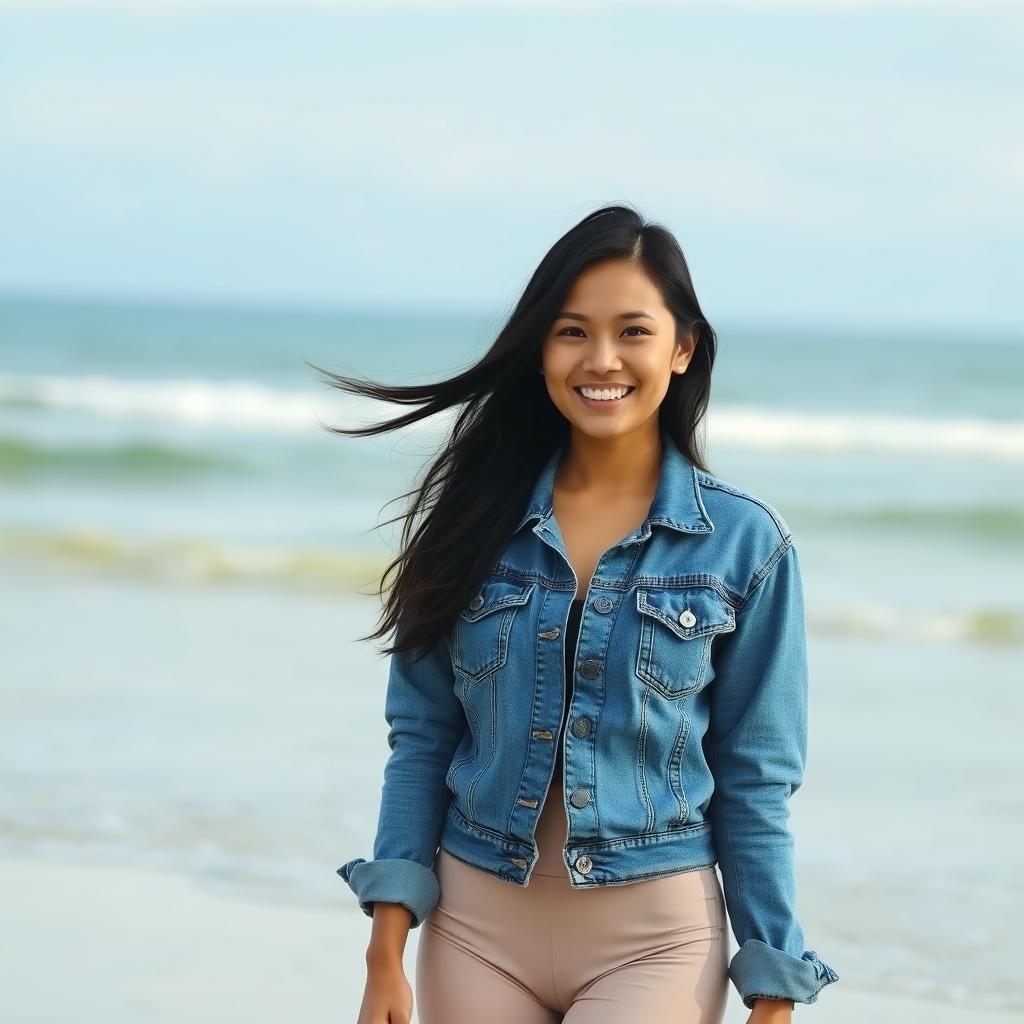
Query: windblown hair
point(474, 492)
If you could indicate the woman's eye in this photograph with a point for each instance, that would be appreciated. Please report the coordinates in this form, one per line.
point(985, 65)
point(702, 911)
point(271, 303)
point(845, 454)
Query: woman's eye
point(634, 328)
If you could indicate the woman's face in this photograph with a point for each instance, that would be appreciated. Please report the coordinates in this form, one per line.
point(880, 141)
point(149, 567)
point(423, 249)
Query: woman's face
point(595, 344)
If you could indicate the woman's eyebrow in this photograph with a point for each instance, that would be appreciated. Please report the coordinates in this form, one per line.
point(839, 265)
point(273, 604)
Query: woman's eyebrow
point(567, 314)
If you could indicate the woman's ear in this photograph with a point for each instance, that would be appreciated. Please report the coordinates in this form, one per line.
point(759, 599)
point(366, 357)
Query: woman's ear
point(684, 351)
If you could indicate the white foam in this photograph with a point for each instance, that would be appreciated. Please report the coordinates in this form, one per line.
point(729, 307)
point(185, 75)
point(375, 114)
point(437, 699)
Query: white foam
point(254, 406)
point(232, 404)
point(748, 426)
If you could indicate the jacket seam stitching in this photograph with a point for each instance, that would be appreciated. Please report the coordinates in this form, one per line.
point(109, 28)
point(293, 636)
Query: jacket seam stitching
point(766, 569)
point(712, 482)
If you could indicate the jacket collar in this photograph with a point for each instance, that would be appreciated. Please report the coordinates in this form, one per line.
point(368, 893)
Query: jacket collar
point(676, 503)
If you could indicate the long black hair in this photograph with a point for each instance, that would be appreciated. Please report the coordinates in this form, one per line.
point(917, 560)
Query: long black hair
point(475, 491)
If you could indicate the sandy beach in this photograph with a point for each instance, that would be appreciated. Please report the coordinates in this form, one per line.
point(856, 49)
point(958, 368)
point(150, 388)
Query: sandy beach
point(106, 941)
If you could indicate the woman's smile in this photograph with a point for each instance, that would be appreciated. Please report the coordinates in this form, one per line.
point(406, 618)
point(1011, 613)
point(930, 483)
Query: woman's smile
point(604, 398)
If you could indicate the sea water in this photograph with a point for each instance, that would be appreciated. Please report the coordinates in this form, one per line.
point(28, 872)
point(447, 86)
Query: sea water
point(188, 557)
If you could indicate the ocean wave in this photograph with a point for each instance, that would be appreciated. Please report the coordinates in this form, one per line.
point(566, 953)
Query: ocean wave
point(186, 560)
point(245, 405)
point(750, 427)
point(984, 521)
point(254, 406)
point(204, 562)
point(22, 459)
point(994, 626)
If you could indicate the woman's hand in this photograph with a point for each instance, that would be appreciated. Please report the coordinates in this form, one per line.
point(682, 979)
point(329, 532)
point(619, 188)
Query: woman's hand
point(771, 1011)
point(387, 998)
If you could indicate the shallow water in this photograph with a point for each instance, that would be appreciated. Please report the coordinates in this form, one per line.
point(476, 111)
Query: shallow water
point(185, 564)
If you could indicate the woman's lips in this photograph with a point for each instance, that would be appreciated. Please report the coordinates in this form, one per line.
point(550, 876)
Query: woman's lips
point(605, 405)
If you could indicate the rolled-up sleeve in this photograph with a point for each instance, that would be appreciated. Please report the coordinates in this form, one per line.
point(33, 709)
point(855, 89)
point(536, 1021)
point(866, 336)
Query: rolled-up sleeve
point(426, 721)
point(756, 747)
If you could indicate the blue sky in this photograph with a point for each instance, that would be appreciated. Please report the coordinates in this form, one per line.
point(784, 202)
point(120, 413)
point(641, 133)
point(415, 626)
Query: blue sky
point(842, 163)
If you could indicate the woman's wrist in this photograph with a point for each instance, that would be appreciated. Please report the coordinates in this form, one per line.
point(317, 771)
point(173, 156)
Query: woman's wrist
point(388, 934)
point(767, 1010)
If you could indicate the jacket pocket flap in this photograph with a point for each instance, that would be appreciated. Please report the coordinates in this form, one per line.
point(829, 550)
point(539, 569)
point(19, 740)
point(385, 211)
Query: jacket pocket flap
point(688, 611)
point(494, 594)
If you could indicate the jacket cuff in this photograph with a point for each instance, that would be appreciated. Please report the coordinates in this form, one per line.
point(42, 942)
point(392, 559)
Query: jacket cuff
point(393, 880)
point(758, 969)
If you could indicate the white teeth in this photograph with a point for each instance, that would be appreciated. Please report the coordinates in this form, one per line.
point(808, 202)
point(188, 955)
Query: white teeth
point(604, 394)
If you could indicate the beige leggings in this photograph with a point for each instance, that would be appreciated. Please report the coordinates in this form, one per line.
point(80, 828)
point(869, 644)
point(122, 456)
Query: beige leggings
point(493, 951)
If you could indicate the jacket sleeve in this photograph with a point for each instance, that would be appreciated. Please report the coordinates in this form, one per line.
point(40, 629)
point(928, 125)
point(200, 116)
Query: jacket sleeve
point(426, 721)
point(756, 747)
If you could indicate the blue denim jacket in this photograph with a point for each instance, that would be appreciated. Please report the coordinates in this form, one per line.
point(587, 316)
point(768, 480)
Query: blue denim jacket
point(686, 733)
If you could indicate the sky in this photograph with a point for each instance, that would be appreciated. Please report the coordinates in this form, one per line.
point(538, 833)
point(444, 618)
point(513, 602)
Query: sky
point(845, 163)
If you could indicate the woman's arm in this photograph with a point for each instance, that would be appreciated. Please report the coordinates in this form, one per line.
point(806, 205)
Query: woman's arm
point(426, 722)
point(756, 747)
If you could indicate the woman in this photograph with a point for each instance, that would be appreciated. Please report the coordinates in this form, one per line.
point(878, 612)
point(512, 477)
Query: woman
point(599, 690)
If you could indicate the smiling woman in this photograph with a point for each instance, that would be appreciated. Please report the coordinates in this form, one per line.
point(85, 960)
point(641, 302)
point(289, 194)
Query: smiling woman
point(626, 751)
point(614, 287)
point(610, 363)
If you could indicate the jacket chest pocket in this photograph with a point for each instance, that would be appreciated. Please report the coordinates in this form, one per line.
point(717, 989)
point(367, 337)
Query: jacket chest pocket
point(677, 626)
point(482, 629)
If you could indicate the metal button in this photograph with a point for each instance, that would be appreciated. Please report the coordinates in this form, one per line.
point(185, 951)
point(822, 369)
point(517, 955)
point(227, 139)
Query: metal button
point(687, 618)
point(477, 602)
point(603, 604)
point(519, 862)
point(580, 797)
point(590, 669)
point(584, 864)
point(582, 726)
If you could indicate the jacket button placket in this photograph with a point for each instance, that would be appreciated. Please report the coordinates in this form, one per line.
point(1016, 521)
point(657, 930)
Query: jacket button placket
point(583, 726)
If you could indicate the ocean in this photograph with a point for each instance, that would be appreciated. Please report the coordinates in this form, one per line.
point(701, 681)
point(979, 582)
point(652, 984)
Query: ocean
point(188, 557)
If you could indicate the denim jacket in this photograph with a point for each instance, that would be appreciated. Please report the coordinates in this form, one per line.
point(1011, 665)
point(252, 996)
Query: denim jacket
point(686, 733)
